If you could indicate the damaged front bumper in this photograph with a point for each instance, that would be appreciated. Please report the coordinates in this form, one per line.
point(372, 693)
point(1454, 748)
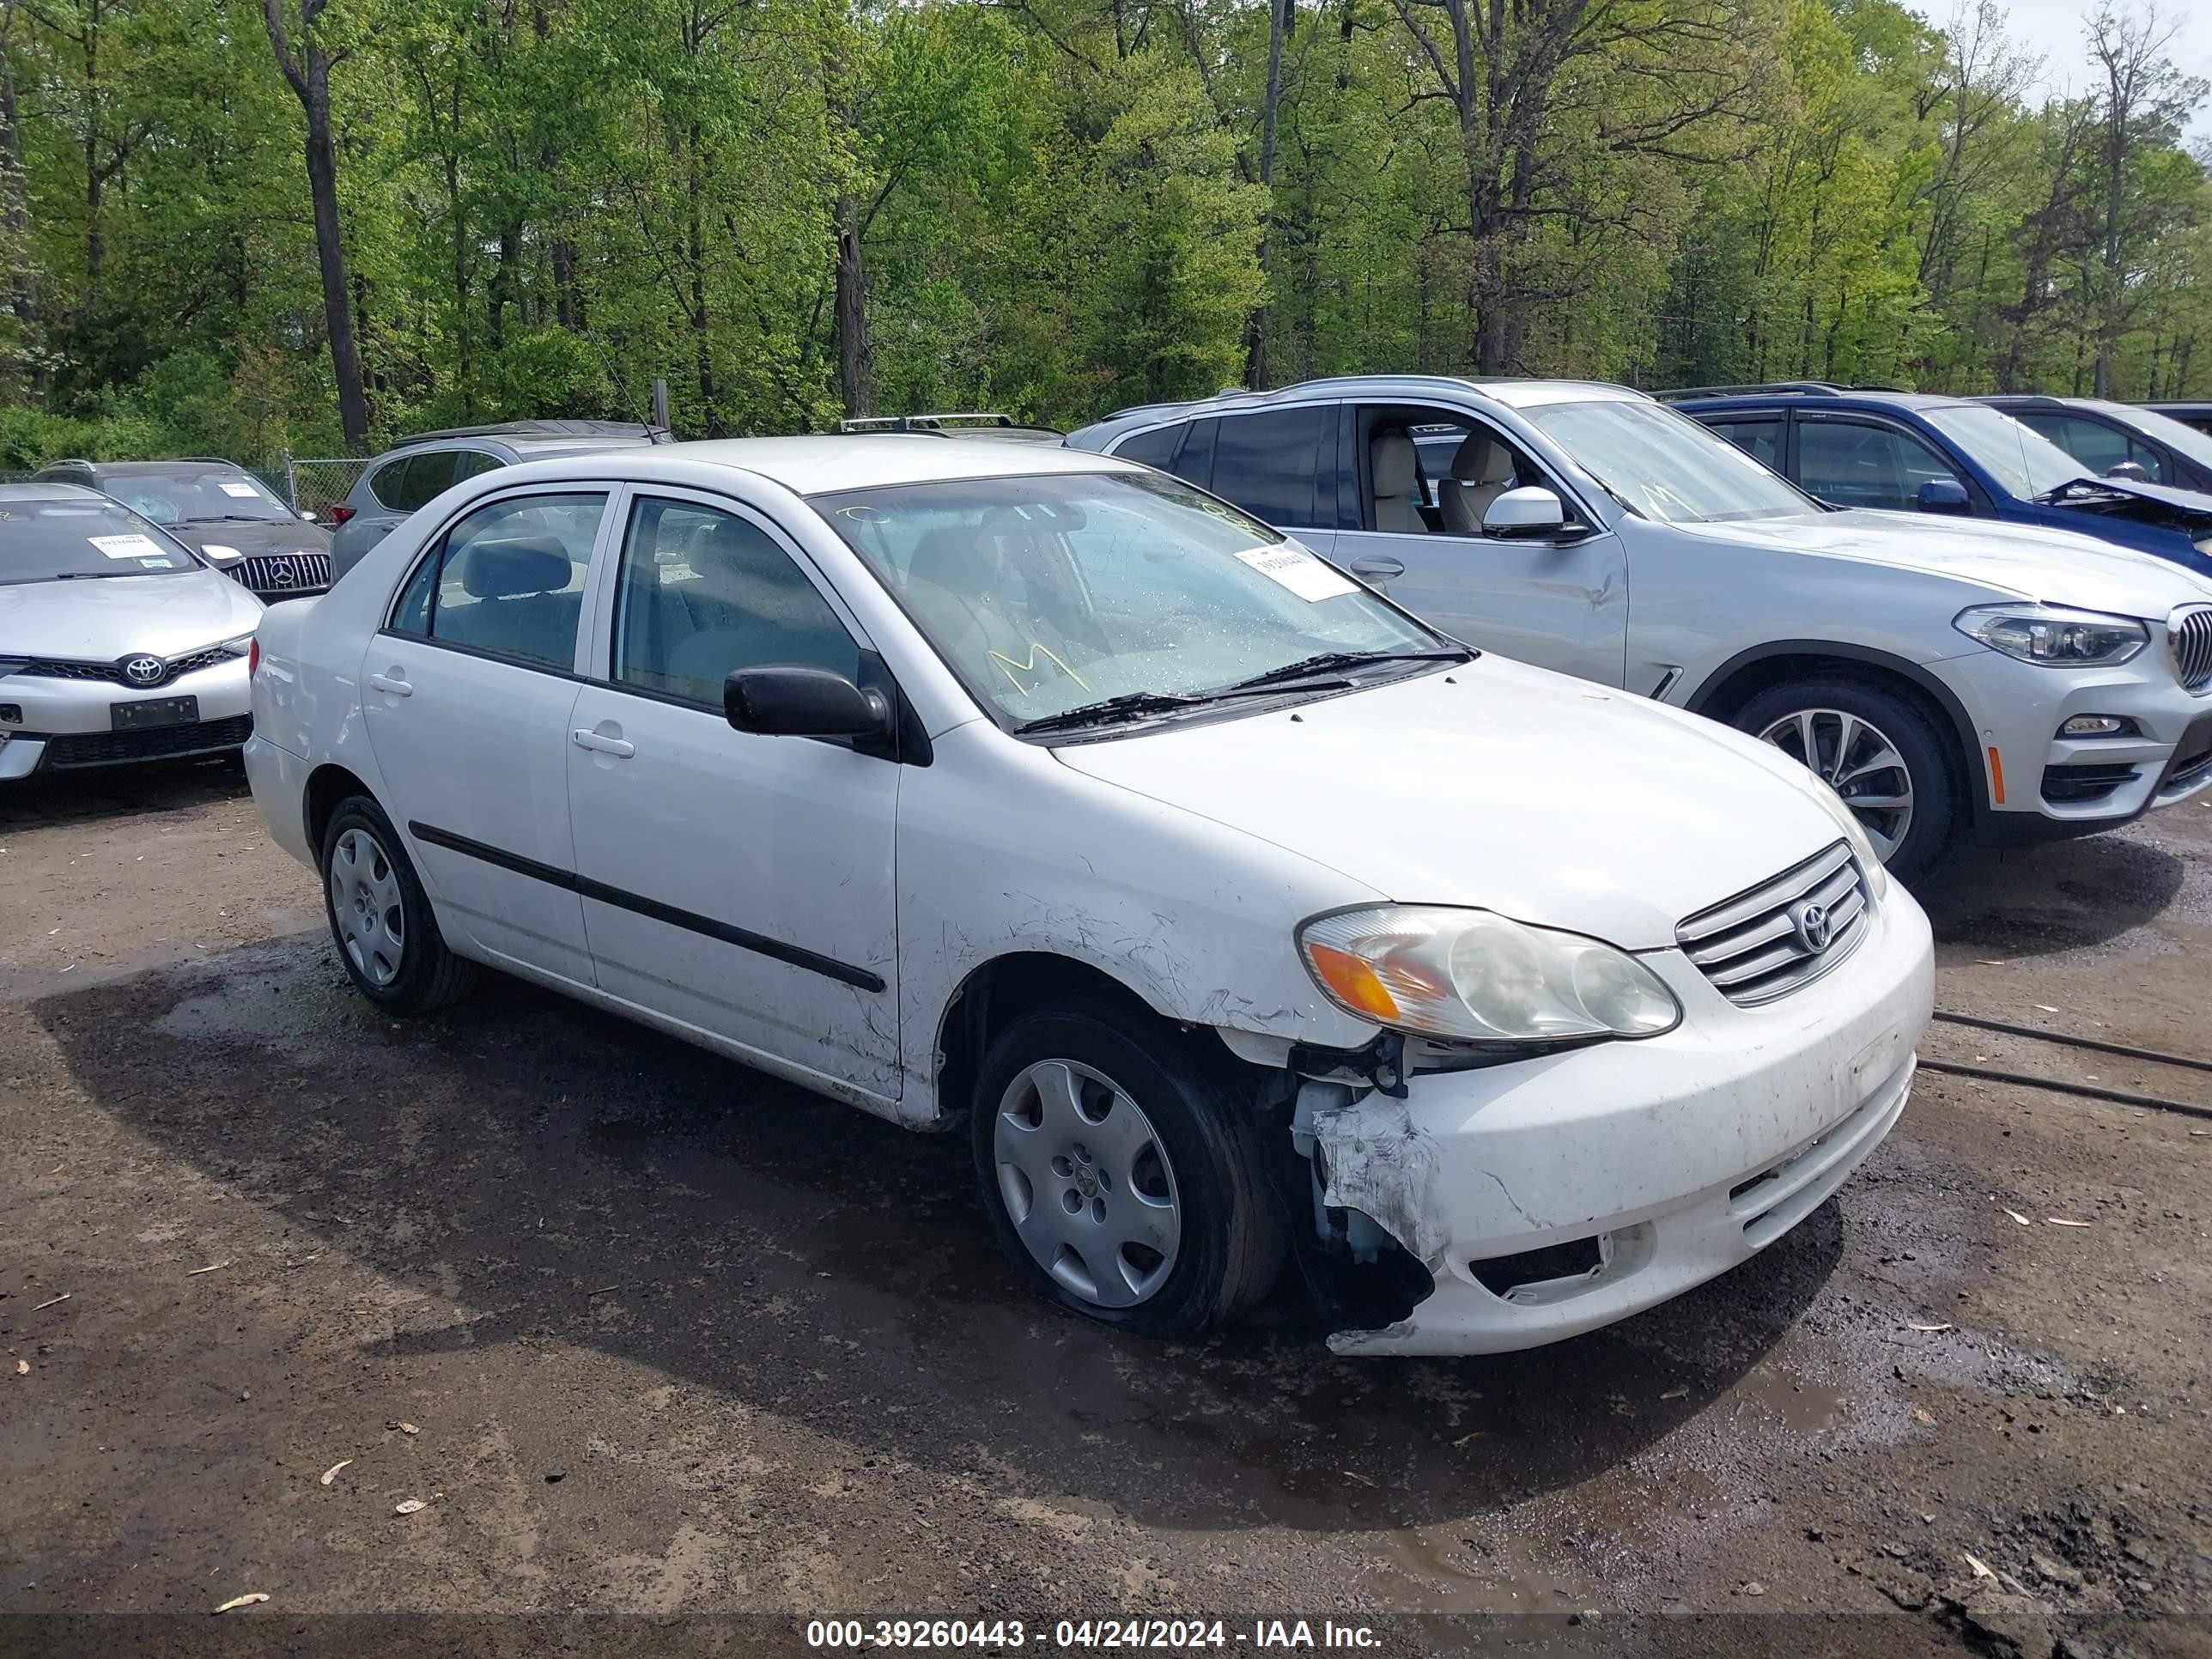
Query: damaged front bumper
point(1554, 1195)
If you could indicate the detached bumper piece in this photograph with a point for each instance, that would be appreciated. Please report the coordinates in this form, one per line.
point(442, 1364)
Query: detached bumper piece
point(80, 750)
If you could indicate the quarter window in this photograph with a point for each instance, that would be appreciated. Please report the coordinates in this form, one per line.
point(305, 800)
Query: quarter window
point(1853, 464)
point(1270, 464)
point(508, 579)
point(704, 593)
point(1155, 448)
point(405, 484)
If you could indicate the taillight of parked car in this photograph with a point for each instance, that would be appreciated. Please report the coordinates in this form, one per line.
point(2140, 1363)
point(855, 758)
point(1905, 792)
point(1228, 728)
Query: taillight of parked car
point(252, 657)
point(340, 513)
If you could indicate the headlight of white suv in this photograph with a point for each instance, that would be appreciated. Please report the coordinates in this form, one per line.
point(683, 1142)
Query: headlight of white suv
point(1439, 971)
point(2053, 636)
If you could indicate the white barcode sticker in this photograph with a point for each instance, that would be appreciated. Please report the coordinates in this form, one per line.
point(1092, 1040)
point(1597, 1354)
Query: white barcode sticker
point(231, 487)
point(127, 547)
point(1299, 571)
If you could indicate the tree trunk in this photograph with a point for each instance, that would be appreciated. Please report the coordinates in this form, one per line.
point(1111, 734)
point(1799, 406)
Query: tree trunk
point(855, 364)
point(22, 275)
point(1256, 368)
point(308, 71)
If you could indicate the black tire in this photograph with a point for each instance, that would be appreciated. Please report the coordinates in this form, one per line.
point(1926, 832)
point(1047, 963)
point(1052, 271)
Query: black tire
point(1913, 735)
point(1232, 1242)
point(427, 976)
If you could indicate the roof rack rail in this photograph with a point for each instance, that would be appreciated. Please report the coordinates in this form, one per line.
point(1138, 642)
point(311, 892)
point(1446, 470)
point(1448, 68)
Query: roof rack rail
point(211, 460)
point(1791, 388)
point(542, 428)
point(934, 421)
point(72, 460)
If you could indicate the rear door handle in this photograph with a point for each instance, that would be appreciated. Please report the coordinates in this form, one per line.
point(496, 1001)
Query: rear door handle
point(620, 748)
point(1378, 567)
point(389, 686)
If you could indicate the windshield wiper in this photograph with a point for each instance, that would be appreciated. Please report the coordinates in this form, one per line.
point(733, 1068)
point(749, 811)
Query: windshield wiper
point(93, 575)
point(1327, 661)
point(1136, 705)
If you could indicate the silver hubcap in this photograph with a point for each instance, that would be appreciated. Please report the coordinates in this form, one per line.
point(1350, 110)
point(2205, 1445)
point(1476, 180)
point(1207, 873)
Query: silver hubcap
point(364, 907)
point(1087, 1183)
point(1859, 762)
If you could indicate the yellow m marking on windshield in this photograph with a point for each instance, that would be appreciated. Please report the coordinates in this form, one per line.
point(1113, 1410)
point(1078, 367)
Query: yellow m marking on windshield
point(1009, 668)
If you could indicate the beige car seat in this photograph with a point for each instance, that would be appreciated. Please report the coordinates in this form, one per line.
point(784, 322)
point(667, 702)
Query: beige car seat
point(1481, 471)
point(1396, 464)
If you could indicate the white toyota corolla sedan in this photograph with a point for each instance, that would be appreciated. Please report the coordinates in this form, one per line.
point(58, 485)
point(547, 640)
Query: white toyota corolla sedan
point(1235, 911)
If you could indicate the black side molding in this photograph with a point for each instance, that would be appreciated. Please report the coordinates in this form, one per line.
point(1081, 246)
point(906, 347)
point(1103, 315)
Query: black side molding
point(798, 956)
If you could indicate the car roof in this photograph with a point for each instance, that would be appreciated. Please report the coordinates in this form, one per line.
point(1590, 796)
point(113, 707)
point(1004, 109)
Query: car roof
point(1515, 393)
point(50, 492)
point(1801, 394)
point(184, 465)
point(813, 465)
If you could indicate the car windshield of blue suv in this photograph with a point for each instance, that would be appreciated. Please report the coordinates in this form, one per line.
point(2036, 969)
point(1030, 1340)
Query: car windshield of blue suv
point(1662, 465)
point(79, 540)
point(1081, 599)
point(2028, 464)
point(181, 497)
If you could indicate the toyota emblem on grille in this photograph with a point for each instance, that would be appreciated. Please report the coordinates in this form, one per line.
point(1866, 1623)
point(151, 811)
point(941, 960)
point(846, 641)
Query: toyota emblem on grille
point(1814, 927)
point(143, 670)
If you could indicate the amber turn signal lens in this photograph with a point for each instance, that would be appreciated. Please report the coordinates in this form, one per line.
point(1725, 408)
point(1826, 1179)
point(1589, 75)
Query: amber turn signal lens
point(1351, 981)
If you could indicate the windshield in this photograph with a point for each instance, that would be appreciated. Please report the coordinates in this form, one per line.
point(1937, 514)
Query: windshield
point(42, 541)
point(195, 497)
point(1662, 464)
point(1050, 593)
point(2176, 435)
point(2022, 460)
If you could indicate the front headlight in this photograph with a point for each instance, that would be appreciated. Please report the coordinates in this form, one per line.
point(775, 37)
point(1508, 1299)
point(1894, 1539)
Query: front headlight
point(2053, 636)
point(1438, 971)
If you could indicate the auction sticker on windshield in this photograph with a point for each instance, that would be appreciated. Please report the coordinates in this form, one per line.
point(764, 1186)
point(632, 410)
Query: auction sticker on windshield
point(127, 547)
point(1299, 571)
point(243, 491)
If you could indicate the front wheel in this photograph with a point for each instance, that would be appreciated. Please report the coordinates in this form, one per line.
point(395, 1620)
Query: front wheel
point(1876, 750)
point(380, 917)
point(1121, 1176)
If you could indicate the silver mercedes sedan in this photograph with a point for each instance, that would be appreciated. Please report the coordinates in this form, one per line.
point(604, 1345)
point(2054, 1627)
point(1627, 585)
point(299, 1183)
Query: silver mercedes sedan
point(118, 643)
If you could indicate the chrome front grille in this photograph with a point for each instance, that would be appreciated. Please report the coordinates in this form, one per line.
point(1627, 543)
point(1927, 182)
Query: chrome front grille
point(279, 573)
point(2189, 637)
point(1783, 934)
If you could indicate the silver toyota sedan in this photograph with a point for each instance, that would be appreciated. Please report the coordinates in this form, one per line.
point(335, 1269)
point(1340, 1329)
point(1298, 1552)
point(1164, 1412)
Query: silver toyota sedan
point(118, 643)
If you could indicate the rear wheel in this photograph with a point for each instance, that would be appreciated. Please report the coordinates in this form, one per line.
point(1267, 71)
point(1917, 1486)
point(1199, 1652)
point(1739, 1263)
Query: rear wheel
point(1121, 1175)
point(1877, 750)
point(380, 917)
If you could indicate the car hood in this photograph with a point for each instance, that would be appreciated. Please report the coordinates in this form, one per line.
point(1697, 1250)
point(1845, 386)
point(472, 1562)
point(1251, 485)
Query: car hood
point(2056, 567)
point(1545, 798)
point(2193, 505)
point(115, 616)
point(253, 536)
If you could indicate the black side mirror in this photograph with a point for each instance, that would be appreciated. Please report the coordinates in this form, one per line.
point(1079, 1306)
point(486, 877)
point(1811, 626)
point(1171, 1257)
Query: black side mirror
point(789, 700)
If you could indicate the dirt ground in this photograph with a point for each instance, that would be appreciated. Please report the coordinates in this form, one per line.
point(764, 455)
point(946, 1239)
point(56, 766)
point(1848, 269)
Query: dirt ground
point(650, 1334)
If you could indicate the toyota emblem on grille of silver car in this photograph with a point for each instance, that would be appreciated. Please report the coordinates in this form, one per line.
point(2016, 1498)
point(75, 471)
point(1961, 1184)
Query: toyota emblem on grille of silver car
point(1814, 927)
point(143, 671)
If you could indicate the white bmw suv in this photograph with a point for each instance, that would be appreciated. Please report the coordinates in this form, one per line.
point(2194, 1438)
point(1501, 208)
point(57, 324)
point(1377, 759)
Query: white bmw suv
point(1955, 680)
point(1236, 911)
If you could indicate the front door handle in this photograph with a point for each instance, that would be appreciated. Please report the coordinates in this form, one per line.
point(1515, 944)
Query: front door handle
point(390, 686)
point(1378, 567)
point(599, 743)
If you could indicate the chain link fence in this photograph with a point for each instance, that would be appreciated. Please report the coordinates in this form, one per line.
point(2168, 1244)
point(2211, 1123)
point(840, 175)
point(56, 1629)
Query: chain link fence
point(317, 485)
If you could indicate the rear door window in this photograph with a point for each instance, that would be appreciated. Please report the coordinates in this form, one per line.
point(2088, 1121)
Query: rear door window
point(1270, 464)
point(1758, 436)
point(1155, 448)
point(508, 579)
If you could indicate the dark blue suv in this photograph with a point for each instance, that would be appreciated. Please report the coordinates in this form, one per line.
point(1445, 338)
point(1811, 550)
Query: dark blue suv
point(1906, 451)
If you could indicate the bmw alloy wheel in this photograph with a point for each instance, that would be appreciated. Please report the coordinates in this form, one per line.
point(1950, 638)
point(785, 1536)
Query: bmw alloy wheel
point(1858, 761)
point(1087, 1183)
point(365, 904)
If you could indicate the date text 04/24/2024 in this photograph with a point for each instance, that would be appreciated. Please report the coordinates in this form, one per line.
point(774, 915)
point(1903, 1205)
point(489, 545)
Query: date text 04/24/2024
point(1159, 1634)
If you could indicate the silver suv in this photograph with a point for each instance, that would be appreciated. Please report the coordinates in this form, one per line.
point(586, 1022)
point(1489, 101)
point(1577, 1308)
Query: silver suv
point(416, 469)
point(1952, 680)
